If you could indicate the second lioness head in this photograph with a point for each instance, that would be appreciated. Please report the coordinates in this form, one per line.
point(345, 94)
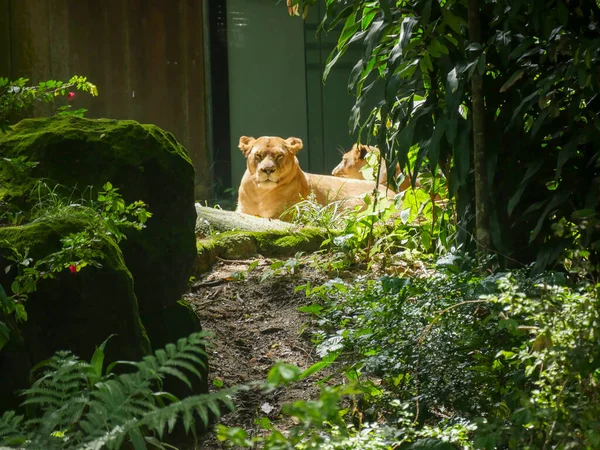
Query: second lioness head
point(270, 159)
point(353, 161)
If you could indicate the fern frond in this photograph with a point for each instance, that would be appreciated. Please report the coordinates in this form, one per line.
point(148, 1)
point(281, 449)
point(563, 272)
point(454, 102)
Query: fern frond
point(175, 372)
point(74, 412)
point(111, 439)
point(200, 404)
point(159, 419)
point(181, 362)
point(11, 428)
point(199, 359)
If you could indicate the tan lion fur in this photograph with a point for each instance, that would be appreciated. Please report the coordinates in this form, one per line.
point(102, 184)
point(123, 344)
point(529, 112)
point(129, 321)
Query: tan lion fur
point(356, 158)
point(274, 181)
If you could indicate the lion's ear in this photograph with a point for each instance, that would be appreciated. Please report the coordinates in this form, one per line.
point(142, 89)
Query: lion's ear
point(246, 143)
point(294, 144)
point(363, 151)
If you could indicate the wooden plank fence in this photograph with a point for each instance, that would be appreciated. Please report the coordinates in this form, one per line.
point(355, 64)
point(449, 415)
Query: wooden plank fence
point(145, 56)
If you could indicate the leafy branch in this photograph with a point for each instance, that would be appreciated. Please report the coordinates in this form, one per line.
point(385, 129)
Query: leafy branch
point(17, 95)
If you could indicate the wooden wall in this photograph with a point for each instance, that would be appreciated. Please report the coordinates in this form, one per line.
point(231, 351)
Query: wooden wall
point(145, 56)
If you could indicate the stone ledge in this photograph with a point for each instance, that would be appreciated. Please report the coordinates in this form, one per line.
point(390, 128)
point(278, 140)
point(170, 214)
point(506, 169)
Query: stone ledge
point(245, 244)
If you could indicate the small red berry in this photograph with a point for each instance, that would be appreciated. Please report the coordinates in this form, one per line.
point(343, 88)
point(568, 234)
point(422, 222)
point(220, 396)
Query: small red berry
point(73, 268)
point(71, 95)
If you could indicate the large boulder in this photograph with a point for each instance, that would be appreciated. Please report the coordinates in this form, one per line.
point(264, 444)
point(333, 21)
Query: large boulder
point(75, 311)
point(144, 277)
point(144, 162)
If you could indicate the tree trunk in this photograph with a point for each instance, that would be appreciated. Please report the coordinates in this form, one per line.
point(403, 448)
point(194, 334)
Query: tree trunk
point(482, 222)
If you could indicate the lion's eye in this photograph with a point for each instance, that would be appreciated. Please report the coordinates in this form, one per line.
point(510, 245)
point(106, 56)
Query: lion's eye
point(279, 156)
point(258, 157)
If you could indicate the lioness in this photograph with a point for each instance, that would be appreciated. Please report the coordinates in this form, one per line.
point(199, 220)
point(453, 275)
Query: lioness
point(356, 158)
point(274, 181)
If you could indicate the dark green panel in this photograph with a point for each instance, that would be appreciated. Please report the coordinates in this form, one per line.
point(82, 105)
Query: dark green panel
point(267, 83)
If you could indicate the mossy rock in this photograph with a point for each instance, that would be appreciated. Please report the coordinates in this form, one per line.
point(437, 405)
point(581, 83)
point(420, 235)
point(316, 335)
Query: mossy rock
point(73, 311)
point(245, 244)
point(144, 162)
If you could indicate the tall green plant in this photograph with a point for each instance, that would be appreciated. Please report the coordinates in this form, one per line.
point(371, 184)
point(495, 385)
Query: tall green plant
point(538, 66)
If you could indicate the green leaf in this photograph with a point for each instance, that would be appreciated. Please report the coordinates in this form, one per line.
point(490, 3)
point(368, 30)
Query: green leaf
point(405, 142)
point(15, 287)
point(436, 48)
point(98, 358)
point(539, 122)
point(311, 309)
point(155, 442)
point(512, 80)
point(350, 27)
point(355, 74)
point(426, 13)
point(367, 17)
point(454, 22)
point(332, 60)
point(452, 80)
point(434, 146)
point(532, 169)
point(406, 30)
point(316, 367)
point(405, 34)
point(283, 373)
point(556, 200)
point(3, 297)
point(138, 441)
point(525, 104)
point(562, 13)
point(427, 61)
point(566, 153)
point(373, 37)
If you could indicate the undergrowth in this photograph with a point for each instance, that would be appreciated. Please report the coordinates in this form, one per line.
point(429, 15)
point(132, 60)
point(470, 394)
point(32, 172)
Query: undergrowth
point(75, 404)
point(456, 357)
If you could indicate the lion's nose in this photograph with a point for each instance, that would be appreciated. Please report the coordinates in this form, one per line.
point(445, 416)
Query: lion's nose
point(268, 170)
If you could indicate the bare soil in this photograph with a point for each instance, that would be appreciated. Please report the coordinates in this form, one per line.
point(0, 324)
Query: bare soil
point(254, 325)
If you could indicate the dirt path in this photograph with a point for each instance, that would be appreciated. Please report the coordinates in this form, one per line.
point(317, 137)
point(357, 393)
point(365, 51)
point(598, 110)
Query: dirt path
point(255, 325)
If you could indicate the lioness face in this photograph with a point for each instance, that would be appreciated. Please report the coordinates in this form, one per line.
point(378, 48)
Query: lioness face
point(352, 162)
point(270, 160)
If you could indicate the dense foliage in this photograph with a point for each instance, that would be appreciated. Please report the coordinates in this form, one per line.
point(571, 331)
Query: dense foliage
point(539, 66)
point(511, 357)
point(451, 357)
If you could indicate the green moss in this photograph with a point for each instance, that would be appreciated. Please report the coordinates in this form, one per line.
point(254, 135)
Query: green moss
point(244, 244)
point(287, 244)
